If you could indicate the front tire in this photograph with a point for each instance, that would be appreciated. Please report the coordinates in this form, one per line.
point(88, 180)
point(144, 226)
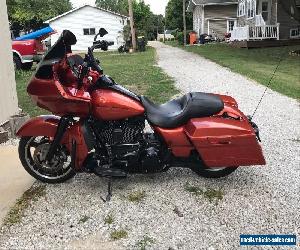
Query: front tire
point(32, 152)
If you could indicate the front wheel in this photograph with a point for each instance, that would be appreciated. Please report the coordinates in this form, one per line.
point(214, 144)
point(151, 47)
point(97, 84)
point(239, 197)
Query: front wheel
point(213, 172)
point(32, 153)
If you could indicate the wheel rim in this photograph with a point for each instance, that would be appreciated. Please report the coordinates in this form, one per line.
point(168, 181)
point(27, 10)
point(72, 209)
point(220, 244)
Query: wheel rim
point(35, 153)
point(215, 169)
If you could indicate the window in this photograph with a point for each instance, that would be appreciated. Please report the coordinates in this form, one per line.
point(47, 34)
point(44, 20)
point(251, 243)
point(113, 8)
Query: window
point(295, 33)
point(251, 8)
point(230, 25)
point(265, 11)
point(90, 31)
point(242, 8)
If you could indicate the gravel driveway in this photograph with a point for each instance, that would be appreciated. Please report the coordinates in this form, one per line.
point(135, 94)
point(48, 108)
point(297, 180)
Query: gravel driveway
point(256, 200)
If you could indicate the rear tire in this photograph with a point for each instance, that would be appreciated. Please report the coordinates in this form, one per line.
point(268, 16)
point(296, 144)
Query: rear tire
point(213, 173)
point(31, 153)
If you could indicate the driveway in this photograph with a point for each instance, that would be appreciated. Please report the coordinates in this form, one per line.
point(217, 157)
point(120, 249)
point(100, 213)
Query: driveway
point(255, 200)
point(14, 180)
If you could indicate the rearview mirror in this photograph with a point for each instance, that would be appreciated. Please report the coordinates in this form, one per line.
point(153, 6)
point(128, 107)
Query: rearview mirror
point(102, 32)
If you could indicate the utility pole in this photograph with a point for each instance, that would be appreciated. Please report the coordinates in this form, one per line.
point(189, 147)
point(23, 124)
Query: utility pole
point(133, 37)
point(165, 24)
point(184, 22)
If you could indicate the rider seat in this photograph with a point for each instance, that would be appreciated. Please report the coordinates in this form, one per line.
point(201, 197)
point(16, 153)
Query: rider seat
point(178, 112)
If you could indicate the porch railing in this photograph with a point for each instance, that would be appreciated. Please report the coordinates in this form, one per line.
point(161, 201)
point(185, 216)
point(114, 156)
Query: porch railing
point(255, 32)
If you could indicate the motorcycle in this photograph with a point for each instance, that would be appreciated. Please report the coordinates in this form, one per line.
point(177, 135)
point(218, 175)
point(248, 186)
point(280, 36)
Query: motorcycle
point(98, 126)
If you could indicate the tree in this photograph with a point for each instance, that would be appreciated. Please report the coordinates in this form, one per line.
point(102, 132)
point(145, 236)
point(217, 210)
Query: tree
point(174, 16)
point(184, 22)
point(118, 6)
point(31, 14)
point(133, 36)
point(146, 23)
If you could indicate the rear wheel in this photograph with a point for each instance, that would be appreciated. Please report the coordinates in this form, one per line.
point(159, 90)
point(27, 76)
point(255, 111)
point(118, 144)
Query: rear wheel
point(32, 153)
point(214, 172)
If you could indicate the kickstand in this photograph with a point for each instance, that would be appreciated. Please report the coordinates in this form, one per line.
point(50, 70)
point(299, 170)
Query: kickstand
point(109, 190)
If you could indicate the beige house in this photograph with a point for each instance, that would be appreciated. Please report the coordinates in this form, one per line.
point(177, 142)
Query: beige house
point(8, 96)
point(213, 17)
point(267, 20)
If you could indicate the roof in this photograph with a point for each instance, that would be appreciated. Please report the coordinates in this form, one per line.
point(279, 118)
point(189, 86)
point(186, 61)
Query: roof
point(193, 3)
point(81, 7)
point(37, 34)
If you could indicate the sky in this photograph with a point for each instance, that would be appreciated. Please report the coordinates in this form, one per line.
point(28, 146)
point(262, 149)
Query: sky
point(157, 6)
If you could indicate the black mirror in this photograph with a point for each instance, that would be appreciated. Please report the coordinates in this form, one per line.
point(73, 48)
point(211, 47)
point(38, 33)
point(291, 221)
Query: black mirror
point(102, 32)
point(69, 38)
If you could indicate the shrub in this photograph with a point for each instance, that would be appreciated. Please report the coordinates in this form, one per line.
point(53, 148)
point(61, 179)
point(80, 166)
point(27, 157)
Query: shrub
point(180, 37)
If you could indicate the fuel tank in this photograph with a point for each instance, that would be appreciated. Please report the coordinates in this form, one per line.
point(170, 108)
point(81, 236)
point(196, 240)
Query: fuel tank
point(110, 105)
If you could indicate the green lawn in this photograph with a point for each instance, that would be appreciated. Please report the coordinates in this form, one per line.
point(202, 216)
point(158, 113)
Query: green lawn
point(135, 71)
point(257, 64)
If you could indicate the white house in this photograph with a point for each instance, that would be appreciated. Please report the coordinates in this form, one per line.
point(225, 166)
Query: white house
point(85, 22)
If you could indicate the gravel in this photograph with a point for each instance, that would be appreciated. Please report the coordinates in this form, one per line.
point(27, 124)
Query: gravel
point(256, 200)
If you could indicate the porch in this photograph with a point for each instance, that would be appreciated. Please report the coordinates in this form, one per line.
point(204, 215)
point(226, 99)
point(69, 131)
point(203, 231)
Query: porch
point(251, 32)
point(265, 43)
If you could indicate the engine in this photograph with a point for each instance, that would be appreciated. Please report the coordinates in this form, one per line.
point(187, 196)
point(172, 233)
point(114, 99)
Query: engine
point(129, 148)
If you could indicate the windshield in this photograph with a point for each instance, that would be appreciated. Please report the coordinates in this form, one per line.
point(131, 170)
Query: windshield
point(56, 53)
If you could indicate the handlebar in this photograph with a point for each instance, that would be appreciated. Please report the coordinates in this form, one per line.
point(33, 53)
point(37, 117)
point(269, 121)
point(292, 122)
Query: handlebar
point(90, 61)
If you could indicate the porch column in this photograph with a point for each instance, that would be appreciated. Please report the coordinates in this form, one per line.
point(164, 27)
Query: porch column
point(8, 94)
point(208, 27)
point(203, 20)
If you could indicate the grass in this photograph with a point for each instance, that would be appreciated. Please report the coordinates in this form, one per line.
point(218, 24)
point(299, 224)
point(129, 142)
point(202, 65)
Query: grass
point(22, 79)
point(136, 196)
point(16, 213)
point(84, 219)
point(210, 194)
point(257, 64)
point(109, 219)
point(118, 234)
point(145, 242)
point(135, 71)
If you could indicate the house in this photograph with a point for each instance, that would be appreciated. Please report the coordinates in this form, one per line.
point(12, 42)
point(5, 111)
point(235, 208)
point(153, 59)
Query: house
point(267, 20)
point(85, 22)
point(8, 94)
point(167, 34)
point(213, 17)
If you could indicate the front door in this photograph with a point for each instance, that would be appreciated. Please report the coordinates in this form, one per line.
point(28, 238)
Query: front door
point(264, 8)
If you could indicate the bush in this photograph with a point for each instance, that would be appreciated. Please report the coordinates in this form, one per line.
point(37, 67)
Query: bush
point(180, 37)
point(161, 40)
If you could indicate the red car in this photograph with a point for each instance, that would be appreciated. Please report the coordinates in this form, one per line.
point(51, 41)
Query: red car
point(30, 48)
point(27, 52)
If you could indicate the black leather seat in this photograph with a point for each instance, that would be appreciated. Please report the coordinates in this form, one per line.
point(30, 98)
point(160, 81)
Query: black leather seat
point(177, 112)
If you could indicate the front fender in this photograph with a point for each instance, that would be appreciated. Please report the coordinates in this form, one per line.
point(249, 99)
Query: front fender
point(45, 125)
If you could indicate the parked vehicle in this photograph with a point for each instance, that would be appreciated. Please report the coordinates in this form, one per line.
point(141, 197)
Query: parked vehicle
point(25, 53)
point(98, 126)
point(30, 48)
